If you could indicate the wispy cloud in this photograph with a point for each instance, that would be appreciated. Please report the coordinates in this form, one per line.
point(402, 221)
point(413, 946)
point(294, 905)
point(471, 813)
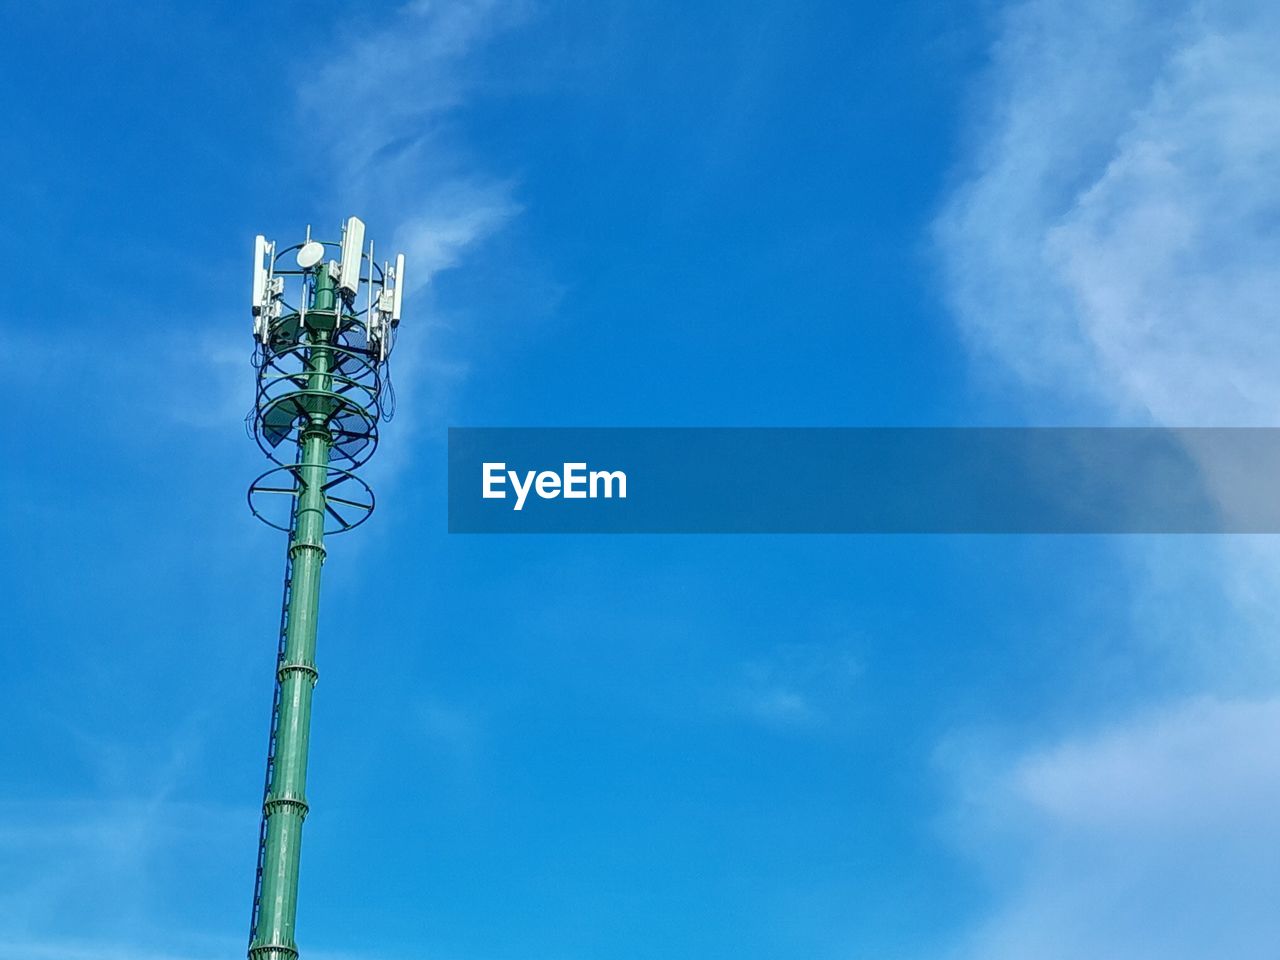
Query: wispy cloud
point(1116, 236)
point(104, 862)
point(105, 856)
point(378, 126)
point(1150, 838)
point(451, 220)
point(398, 158)
point(1113, 246)
point(403, 164)
point(796, 686)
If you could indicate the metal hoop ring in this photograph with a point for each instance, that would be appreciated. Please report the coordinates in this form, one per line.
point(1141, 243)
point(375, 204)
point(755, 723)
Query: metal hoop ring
point(355, 427)
point(361, 500)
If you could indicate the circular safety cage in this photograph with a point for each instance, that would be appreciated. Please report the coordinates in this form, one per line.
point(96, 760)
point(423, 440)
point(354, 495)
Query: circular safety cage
point(347, 402)
point(348, 500)
point(325, 317)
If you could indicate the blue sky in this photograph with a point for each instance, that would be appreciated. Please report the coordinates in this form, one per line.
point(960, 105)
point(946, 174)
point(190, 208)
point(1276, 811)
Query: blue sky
point(560, 748)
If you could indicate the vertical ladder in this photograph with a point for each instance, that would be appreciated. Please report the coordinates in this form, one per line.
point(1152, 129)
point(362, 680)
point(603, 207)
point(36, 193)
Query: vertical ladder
point(275, 725)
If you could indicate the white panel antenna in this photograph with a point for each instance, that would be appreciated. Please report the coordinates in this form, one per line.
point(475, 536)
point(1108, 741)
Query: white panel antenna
point(352, 247)
point(267, 288)
point(398, 296)
point(259, 274)
point(385, 315)
point(373, 316)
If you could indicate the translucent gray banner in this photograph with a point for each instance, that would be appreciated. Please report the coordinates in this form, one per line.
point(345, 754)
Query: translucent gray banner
point(854, 480)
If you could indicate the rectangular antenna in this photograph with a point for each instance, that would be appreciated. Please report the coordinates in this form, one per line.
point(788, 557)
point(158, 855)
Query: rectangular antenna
point(368, 295)
point(352, 247)
point(259, 274)
point(399, 292)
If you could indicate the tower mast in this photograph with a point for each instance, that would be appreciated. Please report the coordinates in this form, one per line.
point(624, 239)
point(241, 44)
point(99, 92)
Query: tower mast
point(322, 388)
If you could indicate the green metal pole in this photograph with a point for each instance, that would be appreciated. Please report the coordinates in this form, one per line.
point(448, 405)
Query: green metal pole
point(286, 804)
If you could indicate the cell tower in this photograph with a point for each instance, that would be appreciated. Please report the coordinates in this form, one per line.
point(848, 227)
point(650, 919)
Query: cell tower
point(323, 384)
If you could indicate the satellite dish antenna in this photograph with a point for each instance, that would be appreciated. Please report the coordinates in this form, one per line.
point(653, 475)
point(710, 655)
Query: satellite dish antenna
point(309, 254)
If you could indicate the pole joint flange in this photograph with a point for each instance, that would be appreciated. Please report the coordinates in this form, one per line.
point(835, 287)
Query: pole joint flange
point(298, 545)
point(273, 951)
point(297, 804)
point(306, 668)
point(316, 429)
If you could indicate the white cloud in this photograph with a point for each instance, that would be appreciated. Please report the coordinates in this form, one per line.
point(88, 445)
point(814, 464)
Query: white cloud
point(1149, 839)
point(390, 96)
point(378, 113)
point(1117, 236)
point(1115, 241)
point(452, 219)
point(1113, 244)
point(797, 686)
point(384, 110)
point(1203, 762)
point(106, 862)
